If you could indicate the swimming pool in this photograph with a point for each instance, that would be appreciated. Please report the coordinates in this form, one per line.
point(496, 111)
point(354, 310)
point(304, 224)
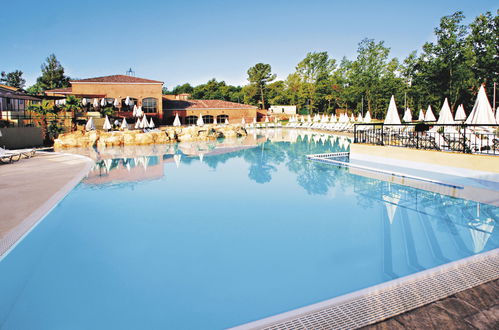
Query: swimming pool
point(214, 235)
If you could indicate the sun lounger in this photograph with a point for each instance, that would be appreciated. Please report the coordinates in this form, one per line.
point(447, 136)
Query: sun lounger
point(9, 156)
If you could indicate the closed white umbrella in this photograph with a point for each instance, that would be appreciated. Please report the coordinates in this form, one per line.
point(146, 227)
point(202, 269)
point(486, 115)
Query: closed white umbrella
point(243, 121)
point(215, 120)
point(137, 123)
point(107, 124)
point(84, 101)
point(497, 115)
point(145, 123)
point(482, 111)
point(407, 116)
point(429, 116)
point(89, 126)
point(127, 101)
point(151, 123)
point(352, 117)
point(254, 120)
point(302, 119)
point(367, 117)
point(96, 103)
point(176, 122)
point(460, 114)
point(134, 111)
point(200, 121)
point(421, 115)
point(124, 124)
point(266, 119)
point(445, 116)
point(102, 102)
point(333, 119)
point(392, 115)
point(226, 121)
point(116, 102)
point(140, 113)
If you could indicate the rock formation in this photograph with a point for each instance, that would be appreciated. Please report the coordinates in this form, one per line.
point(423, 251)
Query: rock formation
point(101, 139)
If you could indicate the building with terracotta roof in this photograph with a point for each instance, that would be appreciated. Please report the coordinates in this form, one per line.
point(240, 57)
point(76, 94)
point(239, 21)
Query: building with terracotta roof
point(211, 110)
point(147, 93)
point(142, 92)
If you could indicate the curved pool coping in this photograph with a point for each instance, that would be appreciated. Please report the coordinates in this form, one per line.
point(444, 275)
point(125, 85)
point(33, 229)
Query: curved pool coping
point(14, 237)
point(385, 300)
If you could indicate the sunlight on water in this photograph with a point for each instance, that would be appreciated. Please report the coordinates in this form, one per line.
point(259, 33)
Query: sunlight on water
point(215, 234)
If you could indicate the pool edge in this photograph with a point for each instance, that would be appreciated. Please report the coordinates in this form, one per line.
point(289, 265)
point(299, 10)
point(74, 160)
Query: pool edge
point(382, 301)
point(10, 241)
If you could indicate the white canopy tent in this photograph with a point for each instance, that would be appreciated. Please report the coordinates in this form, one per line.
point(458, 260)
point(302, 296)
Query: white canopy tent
point(407, 116)
point(460, 114)
point(482, 111)
point(429, 116)
point(392, 115)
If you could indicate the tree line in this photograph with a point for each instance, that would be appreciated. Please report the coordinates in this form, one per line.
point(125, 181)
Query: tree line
point(461, 58)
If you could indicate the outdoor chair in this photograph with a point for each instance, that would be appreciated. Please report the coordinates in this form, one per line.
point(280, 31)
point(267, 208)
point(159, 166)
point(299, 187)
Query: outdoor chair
point(9, 156)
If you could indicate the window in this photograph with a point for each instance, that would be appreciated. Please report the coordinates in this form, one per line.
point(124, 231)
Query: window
point(191, 120)
point(221, 119)
point(128, 107)
point(149, 105)
point(208, 119)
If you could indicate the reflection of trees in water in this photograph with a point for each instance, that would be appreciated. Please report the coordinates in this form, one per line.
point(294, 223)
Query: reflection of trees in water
point(262, 161)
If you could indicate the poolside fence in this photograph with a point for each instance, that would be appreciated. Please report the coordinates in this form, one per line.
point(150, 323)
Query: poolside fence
point(465, 138)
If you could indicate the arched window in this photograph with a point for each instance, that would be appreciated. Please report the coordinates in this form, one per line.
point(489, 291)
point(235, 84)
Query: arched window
point(221, 119)
point(191, 120)
point(149, 105)
point(208, 119)
point(128, 107)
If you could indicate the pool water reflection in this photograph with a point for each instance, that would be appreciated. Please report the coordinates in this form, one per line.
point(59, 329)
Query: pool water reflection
point(216, 234)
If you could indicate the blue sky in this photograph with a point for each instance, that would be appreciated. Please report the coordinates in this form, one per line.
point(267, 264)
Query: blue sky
point(193, 41)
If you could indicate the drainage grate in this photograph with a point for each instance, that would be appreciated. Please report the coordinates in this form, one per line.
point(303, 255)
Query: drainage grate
point(389, 299)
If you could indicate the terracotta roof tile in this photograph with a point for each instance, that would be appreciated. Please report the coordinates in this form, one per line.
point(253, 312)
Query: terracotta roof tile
point(202, 104)
point(118, 78)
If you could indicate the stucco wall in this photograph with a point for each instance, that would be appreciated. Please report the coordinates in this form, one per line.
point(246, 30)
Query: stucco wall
point(121, 91)
point(21, 137)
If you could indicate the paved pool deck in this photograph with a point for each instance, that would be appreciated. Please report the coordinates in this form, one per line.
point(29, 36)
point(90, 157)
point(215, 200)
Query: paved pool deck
point(31, 187)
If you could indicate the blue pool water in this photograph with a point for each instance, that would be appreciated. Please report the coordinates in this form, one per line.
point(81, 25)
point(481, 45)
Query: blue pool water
point(214, 235)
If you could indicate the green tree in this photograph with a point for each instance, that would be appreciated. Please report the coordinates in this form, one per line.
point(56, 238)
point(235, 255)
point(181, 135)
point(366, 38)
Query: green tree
point(484, 43)
point(52, 75)
point(13, 79)
point(45, 111)
point(259, 76)
point(182, 89)
point(314, 70)
point(74, 106)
